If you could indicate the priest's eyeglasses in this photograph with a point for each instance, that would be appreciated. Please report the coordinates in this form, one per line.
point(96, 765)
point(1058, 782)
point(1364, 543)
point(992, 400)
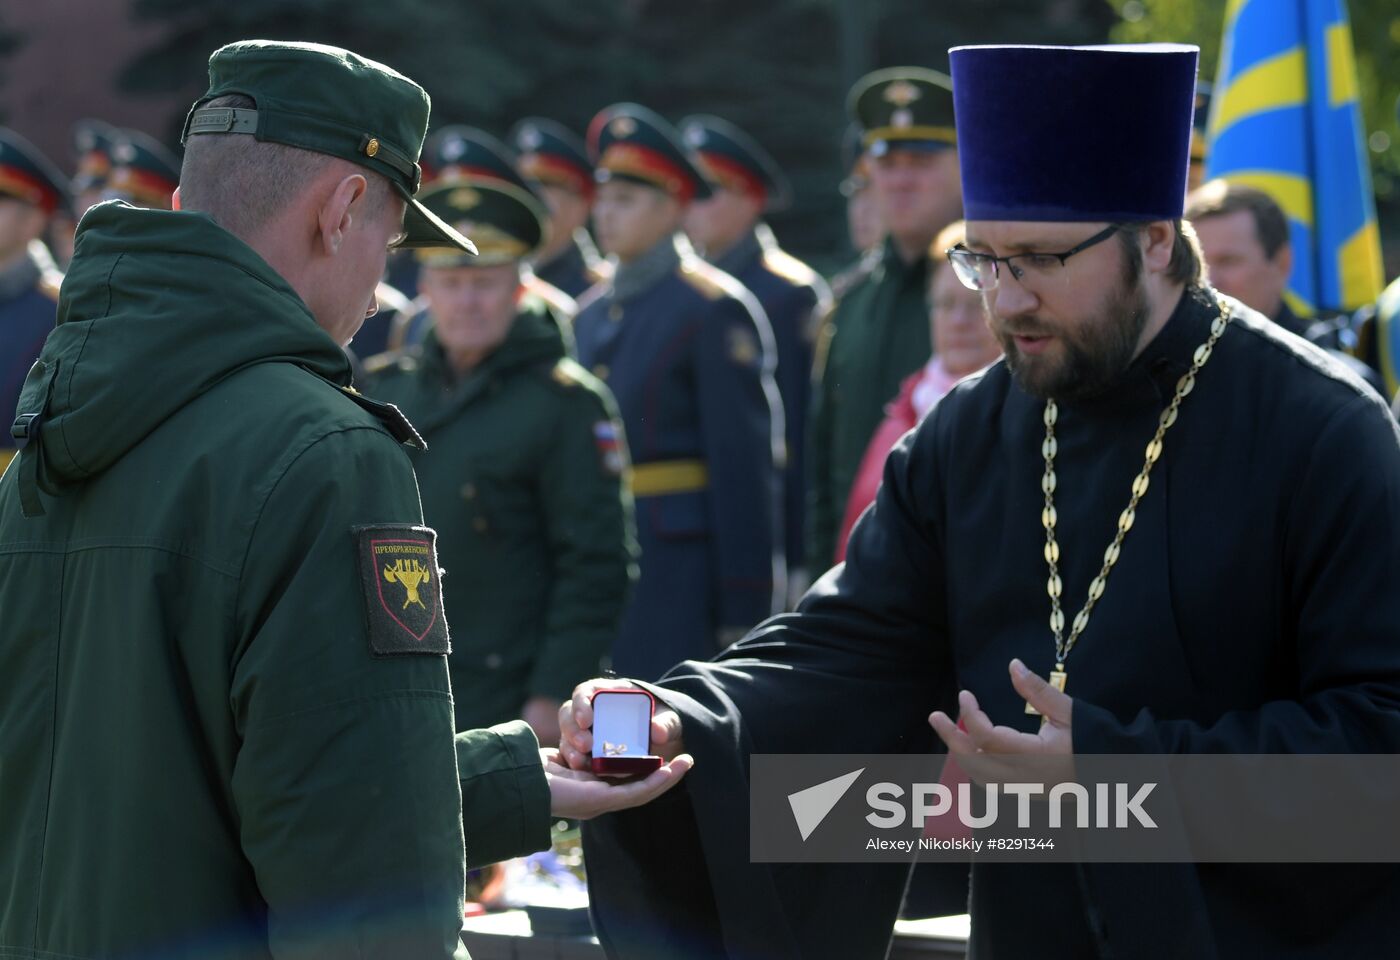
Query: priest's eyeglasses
point(979, 271)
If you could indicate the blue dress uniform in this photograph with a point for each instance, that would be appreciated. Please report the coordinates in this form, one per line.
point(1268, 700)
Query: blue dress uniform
point(681, 346)
point(792, 294)
point(29, 283)
point(551, 155)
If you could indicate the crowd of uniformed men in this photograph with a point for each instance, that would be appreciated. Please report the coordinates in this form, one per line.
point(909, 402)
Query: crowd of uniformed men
point(648, 426)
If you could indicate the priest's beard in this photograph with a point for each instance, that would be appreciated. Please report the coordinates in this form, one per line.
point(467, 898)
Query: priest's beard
point(1088, 356)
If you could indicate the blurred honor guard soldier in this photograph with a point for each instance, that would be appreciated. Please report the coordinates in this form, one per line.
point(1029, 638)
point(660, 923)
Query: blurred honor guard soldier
point(524, 473)
point(220, 602)
point(684, 349)
point(458, 154)
point(879, 330)
point(726, 227)
point(1251, 605)
point(92, 142)
point(143, 173)
point(556, 162)
point(32, 190)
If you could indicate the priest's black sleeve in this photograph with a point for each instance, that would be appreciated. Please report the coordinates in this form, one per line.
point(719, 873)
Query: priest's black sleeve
point(857, 669)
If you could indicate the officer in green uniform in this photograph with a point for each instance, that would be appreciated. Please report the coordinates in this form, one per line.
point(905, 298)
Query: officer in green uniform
point(225, 718)
point(456, 154)
point(879, 330)
point(524, 476)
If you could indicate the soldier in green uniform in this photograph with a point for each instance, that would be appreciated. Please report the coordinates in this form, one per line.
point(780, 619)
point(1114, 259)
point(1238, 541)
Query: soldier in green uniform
point(879, 330)
point(524, 476)
point(225, 718)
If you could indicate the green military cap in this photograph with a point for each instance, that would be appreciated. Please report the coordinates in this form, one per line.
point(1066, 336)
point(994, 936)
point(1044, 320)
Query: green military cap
point(331, 101)
point(506, 219)
point(907, 107)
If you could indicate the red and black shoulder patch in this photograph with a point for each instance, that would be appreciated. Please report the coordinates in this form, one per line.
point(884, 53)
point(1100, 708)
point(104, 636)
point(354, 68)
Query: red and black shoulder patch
point(403, 590)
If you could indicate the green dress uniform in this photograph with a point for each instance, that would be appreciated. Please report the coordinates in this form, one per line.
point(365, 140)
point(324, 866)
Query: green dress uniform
point(524, 480)
point(879, 331)
point(225, 716)
point(878, 336)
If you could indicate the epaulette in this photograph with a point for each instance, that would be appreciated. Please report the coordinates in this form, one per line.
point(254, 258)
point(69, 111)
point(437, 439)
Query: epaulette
point(390, 416)
point(711, 283)
point(405, 360)
point(783, 264)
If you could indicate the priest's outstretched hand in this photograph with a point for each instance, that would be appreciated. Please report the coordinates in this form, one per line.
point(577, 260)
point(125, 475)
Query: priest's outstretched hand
point(575, 791)
point(977, 734)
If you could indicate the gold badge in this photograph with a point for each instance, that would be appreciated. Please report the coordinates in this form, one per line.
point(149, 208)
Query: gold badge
point(901, 93)
point(372, 147)
point(743, 347)
point(463, 198)
point(623, 126)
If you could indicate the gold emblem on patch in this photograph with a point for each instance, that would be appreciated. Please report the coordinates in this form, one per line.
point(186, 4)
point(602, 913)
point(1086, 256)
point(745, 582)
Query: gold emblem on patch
point(410, 574)
point(372, 147)
point(901, 93)
point(623, 126)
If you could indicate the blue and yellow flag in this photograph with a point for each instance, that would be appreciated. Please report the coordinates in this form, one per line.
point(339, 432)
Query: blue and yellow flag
point(1286, 118)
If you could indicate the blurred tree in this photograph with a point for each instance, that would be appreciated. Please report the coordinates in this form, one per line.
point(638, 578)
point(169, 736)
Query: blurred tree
point(778, 68)
point(481, 62)
point(10, 41)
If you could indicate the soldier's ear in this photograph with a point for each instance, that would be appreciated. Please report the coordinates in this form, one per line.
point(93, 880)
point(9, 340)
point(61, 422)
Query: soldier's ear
point(334, 218)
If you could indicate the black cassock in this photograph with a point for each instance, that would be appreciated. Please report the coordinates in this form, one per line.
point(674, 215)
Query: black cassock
point(1255, 609)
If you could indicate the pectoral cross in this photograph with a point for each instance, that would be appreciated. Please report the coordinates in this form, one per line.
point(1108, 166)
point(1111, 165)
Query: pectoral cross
point(1057, 680)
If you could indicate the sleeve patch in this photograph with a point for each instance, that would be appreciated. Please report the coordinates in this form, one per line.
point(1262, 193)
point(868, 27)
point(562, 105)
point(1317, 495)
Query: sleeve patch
point(605, 438)
point(403, 590)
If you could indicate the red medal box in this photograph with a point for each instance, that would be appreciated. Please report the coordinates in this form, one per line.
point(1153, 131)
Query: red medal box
point(622, 733)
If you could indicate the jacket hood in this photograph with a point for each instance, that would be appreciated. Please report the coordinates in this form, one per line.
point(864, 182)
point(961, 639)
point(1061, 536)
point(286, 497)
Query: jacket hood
point(157, 307)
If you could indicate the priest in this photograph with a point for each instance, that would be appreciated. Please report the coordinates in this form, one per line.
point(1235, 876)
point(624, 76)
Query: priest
point(1211, 504)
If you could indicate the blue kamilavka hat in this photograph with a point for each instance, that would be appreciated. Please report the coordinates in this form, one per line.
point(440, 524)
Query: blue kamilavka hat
point(1074, 133)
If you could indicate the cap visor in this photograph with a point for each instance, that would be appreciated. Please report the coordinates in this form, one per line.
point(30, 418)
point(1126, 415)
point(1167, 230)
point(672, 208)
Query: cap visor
point(423, 229)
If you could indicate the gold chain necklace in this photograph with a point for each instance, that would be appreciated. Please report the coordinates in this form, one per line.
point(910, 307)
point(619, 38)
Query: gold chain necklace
point(1049, 448)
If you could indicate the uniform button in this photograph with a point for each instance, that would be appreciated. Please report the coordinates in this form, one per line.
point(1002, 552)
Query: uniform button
point(480, 524)
point(468, 491)
point(601, 371)
point(615, 312)
point(493, 661)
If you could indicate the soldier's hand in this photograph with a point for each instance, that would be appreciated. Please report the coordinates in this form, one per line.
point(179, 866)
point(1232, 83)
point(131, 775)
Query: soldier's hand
point(578, 795)
point(576, 726)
